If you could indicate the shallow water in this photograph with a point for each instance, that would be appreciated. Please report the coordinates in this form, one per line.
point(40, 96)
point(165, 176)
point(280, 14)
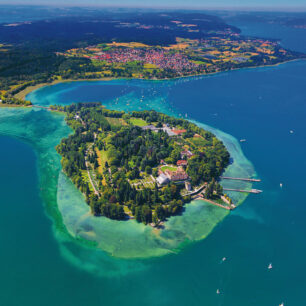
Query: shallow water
point(130, 239)
point(261, 105)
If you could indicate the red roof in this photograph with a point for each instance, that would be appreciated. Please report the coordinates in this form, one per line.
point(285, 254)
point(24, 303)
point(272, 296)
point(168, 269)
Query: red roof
point(182, 162)
point(178, 132)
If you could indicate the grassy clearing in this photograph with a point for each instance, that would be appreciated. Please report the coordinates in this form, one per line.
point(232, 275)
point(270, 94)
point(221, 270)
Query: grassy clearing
point(150, 66)
point(170, 168)
point(102, 158)
point(138, 122)
point(116, 121)
point(86, 179)
point(199, 141)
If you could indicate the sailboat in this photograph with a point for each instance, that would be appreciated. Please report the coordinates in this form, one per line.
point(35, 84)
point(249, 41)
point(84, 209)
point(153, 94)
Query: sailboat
point(270, 266)
point(218, 291)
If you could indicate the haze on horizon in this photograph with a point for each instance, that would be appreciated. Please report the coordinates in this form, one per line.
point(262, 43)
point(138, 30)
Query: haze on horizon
point(297, 5)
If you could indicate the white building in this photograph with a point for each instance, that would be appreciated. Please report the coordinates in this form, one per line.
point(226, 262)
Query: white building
point(162, 179)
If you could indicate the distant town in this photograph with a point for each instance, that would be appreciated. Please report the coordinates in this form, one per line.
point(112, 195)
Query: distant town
point(186, 57)
point(146, 46)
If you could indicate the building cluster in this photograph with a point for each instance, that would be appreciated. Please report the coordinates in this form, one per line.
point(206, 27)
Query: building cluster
point(158, 57)
point(166, 176)
point(178, 175)
point(166, 128)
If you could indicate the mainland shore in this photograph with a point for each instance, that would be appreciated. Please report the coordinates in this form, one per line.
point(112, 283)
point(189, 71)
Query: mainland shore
point(23, 93)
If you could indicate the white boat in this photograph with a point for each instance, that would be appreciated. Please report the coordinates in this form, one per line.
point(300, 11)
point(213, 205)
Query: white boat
point(282, 304)
point(291, 132)
point(270, 266)
point(281, 185)
point(218, 291)
point(224, 259)
point(242, 140)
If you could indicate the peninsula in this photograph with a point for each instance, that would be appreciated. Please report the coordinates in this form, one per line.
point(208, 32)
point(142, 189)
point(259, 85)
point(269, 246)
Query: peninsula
point(147, 46)
point(143, 164)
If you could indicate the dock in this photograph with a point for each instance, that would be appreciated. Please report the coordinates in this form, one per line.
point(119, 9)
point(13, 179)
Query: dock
point(240, 179)
point(43, 107)
point(241, 190)
point(201, 197)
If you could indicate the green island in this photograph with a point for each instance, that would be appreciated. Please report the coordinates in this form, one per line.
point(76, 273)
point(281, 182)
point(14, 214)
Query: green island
point(141, 165)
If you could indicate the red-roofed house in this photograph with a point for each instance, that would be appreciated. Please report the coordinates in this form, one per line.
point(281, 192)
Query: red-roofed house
point(179, 175)
point(179, 132)
point(182, 162)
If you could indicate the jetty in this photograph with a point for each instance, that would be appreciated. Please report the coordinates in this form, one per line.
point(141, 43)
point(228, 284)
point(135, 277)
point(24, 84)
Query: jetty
point(240, 179)
point(241, 190)
point(43, 107)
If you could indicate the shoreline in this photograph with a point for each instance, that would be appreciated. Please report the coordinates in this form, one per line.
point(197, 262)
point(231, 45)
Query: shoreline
point(4, 105)
point(65, 229)
point(23, 93)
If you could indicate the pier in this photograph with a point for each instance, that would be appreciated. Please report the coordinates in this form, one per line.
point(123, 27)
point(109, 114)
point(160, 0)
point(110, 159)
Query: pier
point(240, 179)
point(241, 190)
point(39, 106)
point(229, 207)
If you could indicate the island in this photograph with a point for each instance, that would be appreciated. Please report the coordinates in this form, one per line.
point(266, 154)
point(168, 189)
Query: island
point(142, 165)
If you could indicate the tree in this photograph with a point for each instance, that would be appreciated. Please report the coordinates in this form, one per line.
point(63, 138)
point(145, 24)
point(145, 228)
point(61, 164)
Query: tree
point(146, 214)
point(138, 214)
point(155, 219)
point(148, 170)
point(209, 190)
point(160, 213)
point(218, 189)
point(155, 172)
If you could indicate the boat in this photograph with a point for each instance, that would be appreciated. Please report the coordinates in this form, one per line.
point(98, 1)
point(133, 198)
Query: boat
point(270, 266)
point(281, 185)
point(291, 132)
point(218, 291)
point(224, 259)
point(242, 140)
point(282, 304)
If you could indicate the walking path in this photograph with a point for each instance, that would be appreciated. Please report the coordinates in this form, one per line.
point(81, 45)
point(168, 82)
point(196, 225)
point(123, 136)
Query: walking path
point(215, 203)
point(89, 175)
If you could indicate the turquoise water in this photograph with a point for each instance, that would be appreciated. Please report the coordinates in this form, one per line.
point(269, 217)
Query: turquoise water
point(130, 239)
point(45, 266)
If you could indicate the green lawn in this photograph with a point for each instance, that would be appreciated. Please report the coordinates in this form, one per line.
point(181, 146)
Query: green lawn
point(138, 122)
point(198, 141)
point(171, 168)
point(86, 179)
point(115, 121)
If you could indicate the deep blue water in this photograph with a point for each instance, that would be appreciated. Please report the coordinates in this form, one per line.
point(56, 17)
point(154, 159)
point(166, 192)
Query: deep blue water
point(261, 105)
point(291, 38)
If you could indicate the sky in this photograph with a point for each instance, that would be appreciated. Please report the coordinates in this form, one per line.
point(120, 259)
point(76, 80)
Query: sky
point(170, 3)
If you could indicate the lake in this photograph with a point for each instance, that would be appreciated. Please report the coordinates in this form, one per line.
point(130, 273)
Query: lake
point(43, 266)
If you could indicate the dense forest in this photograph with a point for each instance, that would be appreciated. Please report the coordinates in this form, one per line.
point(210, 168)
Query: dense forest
point(115, 162)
